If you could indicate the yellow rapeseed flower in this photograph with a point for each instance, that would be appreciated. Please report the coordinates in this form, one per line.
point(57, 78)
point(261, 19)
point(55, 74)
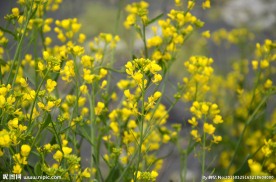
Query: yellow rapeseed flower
point(17, 169)
point(86, 173)
point(255, 64)
point(209, 128)
point(255, 167)
point(206, 4)
point(50, 85)
point(115, 127)
point(15, 12)
point(58, 156)
point(66, 150)
point(5, 139)
point(206, 34)
point(25, 150)
point(99, 108)
point(268, 84)
point(83, 89)
point(13, 123)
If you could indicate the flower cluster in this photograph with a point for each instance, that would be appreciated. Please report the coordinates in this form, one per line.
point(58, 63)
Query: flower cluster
point(142, 69)
point(200, 71)
point(174, 31)
point(205, 111)
point(136, 10)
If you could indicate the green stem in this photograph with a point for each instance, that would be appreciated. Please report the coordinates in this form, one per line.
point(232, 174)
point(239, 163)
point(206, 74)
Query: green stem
point(250, 119)
point(145, 41)
point(18, 48)
point(141, 128)
point(203, 154)
point(92, 128)
point(36, 95)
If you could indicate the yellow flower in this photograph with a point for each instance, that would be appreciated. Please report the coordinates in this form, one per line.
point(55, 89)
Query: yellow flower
point(266, 150)
point(68, 71)
point(83, 89)
point(154, 174)
point(2, 101)
point(13, 123)
point(206, 4)
point(46, 55)
point(51, 84)
point(255, 167)
point(64, 23)
point(86, 61)
point(23, 82)
point(196, 136)
point(271, 166)
point(157, 78)
point(130, 20)
point(86, 173)
point(191, 4)
point(82, 38)
point(154, 41)
point(17, 169)
point(268, 84)
point(87, 76)
point(99, 108)
point(103, 72)
point(78, 50)
point(5, 139)
point(218, 119)
point(58, 156)
point(264, 64)
point(217, 139)
point(204, 108)
point(66, 150)
point(76, 27)
point(106, 138)
point(166, 138)
point(255, 64)
point(15, 12)
point(177, 2)
point(47, 41)
point(25, 150)
point(104, 83)
point(132, 124)
point(193, 121)
point(115, 127)
point(206, 34)
point(209, 128)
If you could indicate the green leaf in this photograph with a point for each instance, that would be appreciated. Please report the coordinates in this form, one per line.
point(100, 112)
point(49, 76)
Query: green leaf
point(154, 19)
point(46, 122)
point(244, 167)
point(8, 32)
point(114, 174)
point(37, 169)
point(85, 135)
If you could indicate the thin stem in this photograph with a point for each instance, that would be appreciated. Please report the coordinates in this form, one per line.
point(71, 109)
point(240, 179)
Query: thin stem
point(203, 154)
point(250, 119)
point(36, 95)
point(18, 48)
point(145, 41)
point(141, 128)
point(92, 128)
